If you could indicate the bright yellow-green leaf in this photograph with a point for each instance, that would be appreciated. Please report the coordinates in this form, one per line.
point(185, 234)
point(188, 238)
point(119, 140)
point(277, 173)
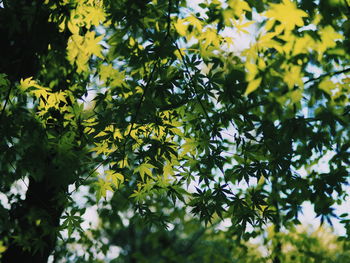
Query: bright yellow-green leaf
point(287, 14)
point(27, 83)
point(115, 178)
point(163, 181)
point(296, 95)
point(100, 134)
point(73, 28)
point(74, 47)
point(95, 15)
point(117, 134)
point(91, 44)
point(179, 53)
point(293, 77)
point(252, 69)
point(303, 44)
point(144, 168)
point(138, 194)
point(210, 37)
point(2, 247)
point(239, 6)
point(102, 188)
point(240, 26)
point(168, 169)
point(103, 148)
point(189, 147)
point(181, 27)
point(194, 21)
point(252, 86)
point(328, 38)
point(328, 86)
point(106, 72)
point(266, 41)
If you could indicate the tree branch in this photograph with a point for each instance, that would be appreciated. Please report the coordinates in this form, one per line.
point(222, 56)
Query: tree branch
point(331, 74)
point(168, 20)
point(6, 101)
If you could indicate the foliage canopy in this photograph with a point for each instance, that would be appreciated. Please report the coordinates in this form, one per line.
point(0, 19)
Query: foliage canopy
point(160, 100)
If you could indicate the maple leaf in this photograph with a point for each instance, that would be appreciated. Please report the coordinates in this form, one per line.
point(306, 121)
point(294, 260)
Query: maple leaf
point(239, 6)
point(252, 86)
point(328, 37)
point(287, 13)
point(240, 25)
point(144, 168)
point(96, 15)
point(91, 44)
point(180, 27)
point(27, 83)
point(102, 187)
point(115, 178)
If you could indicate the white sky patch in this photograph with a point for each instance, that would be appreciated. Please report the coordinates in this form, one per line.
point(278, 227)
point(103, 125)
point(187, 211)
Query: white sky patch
point(18, 188)
point(91, 218)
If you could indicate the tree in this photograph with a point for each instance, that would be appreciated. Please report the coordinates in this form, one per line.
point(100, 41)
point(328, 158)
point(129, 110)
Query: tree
point(178, 111)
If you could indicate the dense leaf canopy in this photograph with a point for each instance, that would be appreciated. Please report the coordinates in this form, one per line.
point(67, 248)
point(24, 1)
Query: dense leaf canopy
point(224, 108)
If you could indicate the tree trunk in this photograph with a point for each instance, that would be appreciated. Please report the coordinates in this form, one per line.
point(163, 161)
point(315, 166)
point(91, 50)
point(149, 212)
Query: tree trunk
point(37, 220)
point(25, 33)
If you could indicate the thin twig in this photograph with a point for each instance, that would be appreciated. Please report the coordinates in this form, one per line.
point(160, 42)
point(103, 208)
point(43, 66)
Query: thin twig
point(168, 20)
point(328, 75)
point(6, 101)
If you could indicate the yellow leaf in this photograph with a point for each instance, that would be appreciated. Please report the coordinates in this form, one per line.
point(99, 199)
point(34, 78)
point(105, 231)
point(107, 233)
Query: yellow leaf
point(180, 27)
point(168, 169)
point(102, 188)
point(240, 26)
point(61, 96)
point(96, 15)
point(296, 95)
point(328, 38)
point(91, 44)
point(27, 83)
point(293, 77)
point(252, 70)
point(117, 134)
point(2, 247)
point(115, 178)
point(252, 86)
point(327, 86)
point(189, 147)
point(287, 13)
point(106, 72)
point(144, 168)
point(303, 44)
point(267, 41)
point(179, 53)
point(73, 28)
point(163, 181)
point(210, 37)
point(74, 47)
point(100, 134)
point(239, 6)
point(194, 21)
